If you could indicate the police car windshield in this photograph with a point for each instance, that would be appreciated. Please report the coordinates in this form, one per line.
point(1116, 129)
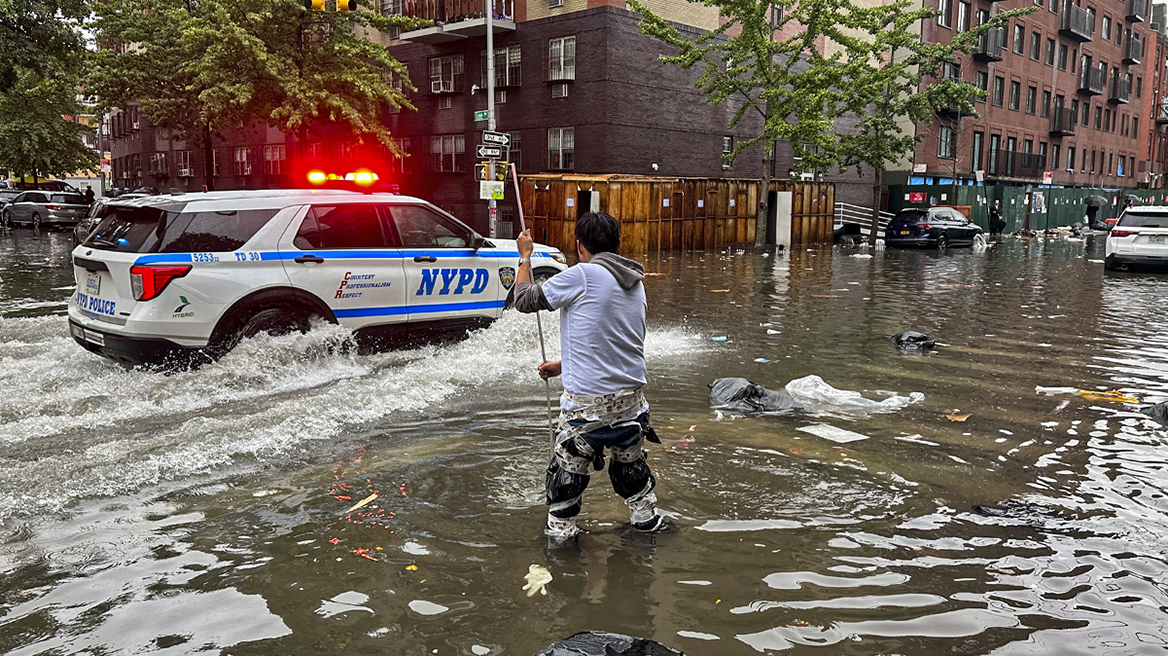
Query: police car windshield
point(132, 229)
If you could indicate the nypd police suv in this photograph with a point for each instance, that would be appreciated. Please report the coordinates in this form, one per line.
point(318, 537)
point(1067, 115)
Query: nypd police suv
point(169, 279)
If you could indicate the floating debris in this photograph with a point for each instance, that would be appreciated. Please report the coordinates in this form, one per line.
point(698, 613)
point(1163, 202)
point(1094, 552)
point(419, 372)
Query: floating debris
point(363, 502)
point(537, 579)
point(1112, 395)
point(955, 415)
point(833, 433)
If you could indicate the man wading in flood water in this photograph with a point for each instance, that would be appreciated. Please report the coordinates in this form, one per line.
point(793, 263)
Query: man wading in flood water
point(602, 346)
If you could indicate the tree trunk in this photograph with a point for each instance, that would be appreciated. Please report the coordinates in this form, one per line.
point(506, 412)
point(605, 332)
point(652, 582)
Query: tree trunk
point(877, 188)
point(764, 194)
point(209, 158)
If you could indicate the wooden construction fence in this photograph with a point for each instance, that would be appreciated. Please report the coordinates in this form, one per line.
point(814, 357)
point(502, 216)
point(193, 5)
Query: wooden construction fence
point(669, 214)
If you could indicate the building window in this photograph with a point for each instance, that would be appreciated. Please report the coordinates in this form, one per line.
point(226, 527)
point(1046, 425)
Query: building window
point(963, 17)
point(1071, 159)
point(1062, 60)
point(945, 19)
point(215, 163)
point(242, 161)
point(183, 163)
point(274, 157)
point(1035, 39)
point(1042, 153)
point(1019, 35)
point(315, 151)
point(1122, 161)
point(562, 58)
point(1045, 104)
point(1107, 28)
point(1015, 93)
point(1054, 157)
point(1135, 126)
point(514, 156)
point(1086, 114)
point(1031, 99)
point(1139, 86)
point(1099, 117)
point(555, 4)
point(1050, 52)
point(448, 153)
point(999, 90)
point(978, 148)
point(561, 147)
point(402, 161)
point(983, 83)
point(508, 64)
point(158, 164)
point(446, 74)
point(947, 143)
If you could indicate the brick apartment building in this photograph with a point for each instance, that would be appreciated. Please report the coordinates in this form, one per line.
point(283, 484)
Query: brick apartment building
point(1071, 91)
point(578, 88)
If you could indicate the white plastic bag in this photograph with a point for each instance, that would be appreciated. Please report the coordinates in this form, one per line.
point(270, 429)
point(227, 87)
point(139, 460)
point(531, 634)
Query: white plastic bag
point(817, 396)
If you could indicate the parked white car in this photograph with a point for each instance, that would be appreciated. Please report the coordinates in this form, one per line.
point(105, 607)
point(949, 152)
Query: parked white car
point(1138, 239)
point(178, 279)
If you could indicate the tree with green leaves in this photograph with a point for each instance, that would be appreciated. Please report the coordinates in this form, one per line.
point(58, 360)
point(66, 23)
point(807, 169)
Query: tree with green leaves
point(40, 59)
point(908, 81)
point(790, 83)
point(196, 66)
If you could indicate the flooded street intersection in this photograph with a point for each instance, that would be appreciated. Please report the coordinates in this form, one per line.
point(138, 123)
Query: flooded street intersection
point(205, 511)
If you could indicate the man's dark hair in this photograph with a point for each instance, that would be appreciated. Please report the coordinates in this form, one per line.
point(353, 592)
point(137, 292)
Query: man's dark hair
point(599, 232)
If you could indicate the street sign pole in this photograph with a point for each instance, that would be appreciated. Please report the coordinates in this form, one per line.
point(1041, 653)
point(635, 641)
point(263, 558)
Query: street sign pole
point(492, 219)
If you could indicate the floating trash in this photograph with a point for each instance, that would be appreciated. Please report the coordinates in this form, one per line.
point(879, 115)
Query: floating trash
point(537, 579)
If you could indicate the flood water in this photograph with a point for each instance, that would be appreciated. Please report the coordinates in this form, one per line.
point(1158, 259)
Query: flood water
point(205, 511)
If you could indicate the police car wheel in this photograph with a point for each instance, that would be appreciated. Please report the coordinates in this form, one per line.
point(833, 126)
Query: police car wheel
point(271, 320)
point(6, 219)
point(538, 276)
point(36, 221)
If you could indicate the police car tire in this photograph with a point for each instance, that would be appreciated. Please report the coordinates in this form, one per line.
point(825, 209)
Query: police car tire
point(272, 320)
point(539, 275)
point(6, 218)
point(36, 221)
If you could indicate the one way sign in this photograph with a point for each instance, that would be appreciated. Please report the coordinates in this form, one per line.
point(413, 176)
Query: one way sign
point(486, 151)
point(497, 138)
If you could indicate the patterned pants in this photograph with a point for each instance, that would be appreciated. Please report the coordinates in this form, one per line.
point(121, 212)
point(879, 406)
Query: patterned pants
point(577, 452)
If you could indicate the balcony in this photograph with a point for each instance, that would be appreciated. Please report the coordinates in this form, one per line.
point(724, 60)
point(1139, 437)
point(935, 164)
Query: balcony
point(1092, 80)
point(1076, 23)
point(1132, 49)
point(1137, 10)
point(990, 45)
point(1013, 164)
point(455, 20)
point(1162, 112)
point(1120, 90)
point(1062, 123)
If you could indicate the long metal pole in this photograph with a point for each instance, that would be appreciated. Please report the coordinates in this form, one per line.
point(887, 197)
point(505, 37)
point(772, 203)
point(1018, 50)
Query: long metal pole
point(542, 349)
point(492, 211)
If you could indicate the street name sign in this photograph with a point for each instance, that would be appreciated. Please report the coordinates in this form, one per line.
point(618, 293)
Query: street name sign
point(480, 115)
point(496, 138)
point(487, 151)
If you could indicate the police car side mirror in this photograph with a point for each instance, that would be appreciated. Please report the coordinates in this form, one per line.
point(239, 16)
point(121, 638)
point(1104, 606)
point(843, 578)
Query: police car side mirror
point(479, 242)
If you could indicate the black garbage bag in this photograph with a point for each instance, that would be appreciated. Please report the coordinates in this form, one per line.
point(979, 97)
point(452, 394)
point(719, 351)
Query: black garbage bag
point(1159, 412)
point(1077, 229)
point(597, 643)
point(911, 340)
point(741, 395)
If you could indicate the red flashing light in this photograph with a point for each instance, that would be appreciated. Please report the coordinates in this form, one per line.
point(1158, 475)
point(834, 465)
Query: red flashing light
point(147, 282)
point(362, 177)
point(317, 177)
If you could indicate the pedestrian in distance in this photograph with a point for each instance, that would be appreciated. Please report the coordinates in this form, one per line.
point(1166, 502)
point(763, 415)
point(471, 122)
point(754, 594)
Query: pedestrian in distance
point(602, 345)
point(997, 223)
point(89, 194)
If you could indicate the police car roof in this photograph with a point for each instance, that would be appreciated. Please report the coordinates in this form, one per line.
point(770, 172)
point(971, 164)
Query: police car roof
point(259, 199)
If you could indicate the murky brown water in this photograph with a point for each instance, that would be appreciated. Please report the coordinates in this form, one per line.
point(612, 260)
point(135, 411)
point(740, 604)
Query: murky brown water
point(203, 512)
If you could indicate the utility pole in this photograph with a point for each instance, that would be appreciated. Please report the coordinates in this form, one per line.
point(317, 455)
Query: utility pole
point(492, 210)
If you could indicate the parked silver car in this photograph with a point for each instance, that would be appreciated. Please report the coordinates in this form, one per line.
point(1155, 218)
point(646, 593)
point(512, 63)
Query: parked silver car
point(44, 208)
point(6, 196)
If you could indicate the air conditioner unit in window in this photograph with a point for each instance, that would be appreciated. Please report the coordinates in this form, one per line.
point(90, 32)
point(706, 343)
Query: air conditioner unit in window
point(245, 170)
point(554, 4)
point(1155, 27)
point(559, 91)
point(134, 125)
point(185, 173)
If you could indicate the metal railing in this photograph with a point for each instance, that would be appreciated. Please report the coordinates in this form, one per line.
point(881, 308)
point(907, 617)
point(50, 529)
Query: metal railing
point(453, 11)
point(1120, 90)
point(1062, 122)
point(1092, 80)
point(1132, 49)
point(1137, 10)
point(1014, 164)
point(1077, 23)
point(990, 45)
point(861, 216)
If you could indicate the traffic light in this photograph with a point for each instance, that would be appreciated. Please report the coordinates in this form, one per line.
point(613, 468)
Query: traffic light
point(314, 5)
point(500, 170)
point(346, 5)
